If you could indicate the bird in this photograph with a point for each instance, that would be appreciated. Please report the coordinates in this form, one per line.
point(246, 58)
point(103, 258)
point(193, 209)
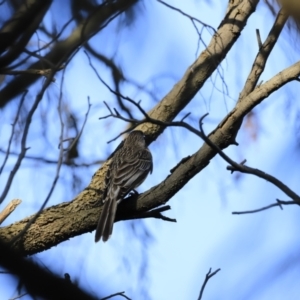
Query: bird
point(131, 163)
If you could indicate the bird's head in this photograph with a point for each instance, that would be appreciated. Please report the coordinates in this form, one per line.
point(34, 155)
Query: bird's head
point(135, 137)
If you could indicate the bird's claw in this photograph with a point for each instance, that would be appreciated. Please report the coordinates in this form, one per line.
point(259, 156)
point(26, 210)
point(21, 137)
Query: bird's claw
point(133, 193)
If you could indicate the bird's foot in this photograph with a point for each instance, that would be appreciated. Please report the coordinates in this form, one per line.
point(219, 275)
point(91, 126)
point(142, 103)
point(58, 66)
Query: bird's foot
point(133, 194)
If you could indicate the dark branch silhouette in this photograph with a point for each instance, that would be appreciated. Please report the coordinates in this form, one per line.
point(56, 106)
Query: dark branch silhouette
point(38, 281)
point(278, 203)
point(207, 277)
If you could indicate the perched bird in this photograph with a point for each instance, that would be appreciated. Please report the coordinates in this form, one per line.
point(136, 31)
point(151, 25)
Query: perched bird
point(130, 165)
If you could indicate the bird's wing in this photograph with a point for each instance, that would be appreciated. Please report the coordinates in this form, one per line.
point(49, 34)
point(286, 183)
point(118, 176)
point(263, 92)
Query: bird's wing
point(132, 170)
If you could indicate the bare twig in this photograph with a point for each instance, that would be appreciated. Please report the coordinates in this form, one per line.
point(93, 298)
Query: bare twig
point(9, 208)
point(24, 137)
point(116, 73)
point(75, 140)
point(114, 113)
point(279, 203)
point(194, 22)
point(245, 169)
point(54, 161)
point(41, 72)
point(116, 294)
point(18, 297)
point(41, 58)
point(12, 132)
point(259, 42)
point(207, 277)
point(193, 19)
point(154, 213)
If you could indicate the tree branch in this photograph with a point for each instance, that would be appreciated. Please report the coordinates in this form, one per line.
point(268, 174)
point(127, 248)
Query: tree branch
point(8, 209)
point(233, 165)
point(279, 203)
point(7, 152)
point(207, 277)
point(154, 213)
point(24, 136)
point(196, 75)
point(263, 54)
point(122, 294)
point(80, 216)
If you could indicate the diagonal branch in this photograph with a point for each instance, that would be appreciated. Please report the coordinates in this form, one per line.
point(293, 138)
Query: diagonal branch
point(234, 166)
point(196, 75)
point(263, 54)
point(80, 216)
point(8, 209)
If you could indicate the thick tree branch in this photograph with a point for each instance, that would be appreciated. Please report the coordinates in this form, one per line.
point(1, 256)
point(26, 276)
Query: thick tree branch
point(80, 216)
point(8, 209)
point(193, 20)
point(196, 75)
point(234, 166)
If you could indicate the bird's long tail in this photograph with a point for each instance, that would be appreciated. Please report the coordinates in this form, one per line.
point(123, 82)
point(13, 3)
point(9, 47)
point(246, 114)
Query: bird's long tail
point(106, 220)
